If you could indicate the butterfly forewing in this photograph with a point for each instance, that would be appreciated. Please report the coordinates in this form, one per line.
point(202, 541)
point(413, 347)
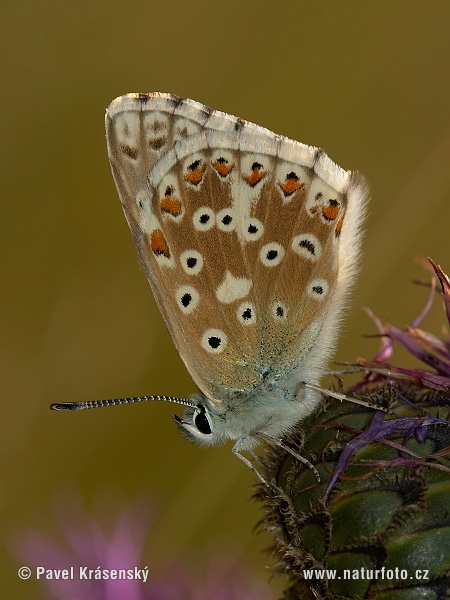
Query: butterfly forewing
point(240, 233)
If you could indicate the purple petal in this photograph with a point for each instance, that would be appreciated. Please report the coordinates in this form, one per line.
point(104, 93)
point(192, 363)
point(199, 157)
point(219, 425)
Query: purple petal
point(380, 428)
point(428, 340)
point(427, 306)
point(385, 351)
point(416, 350)
point(445, 284)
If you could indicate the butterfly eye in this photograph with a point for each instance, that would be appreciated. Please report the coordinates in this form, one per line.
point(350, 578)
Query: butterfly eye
point(201, 422)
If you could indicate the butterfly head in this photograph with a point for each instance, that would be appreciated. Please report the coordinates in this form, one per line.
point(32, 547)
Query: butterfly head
point(198, 423)
point(244, 415)
point(206, 425)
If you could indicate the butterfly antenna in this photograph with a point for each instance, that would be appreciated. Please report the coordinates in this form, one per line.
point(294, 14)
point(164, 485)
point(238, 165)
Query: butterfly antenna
point(116, 401)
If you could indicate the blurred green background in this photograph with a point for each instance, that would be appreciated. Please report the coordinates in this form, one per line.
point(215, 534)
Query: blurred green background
point(367, 81)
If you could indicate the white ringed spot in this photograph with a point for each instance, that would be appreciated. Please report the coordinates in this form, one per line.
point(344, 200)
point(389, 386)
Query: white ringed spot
point(308, 246)
point(246, 313)
point(187, 298)
point(271, 254)
point(225, 219)
point(317, 289)
point(279, 312)
point(252, 230)
point(232, 288)
point(191, 261)
point(214, 341)
point(204, 218)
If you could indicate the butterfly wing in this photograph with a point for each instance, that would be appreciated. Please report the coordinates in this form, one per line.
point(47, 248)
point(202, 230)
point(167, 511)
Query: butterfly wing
point(242, 236)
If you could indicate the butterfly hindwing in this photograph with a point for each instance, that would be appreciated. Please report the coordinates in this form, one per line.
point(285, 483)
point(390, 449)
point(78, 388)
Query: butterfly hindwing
point(240, 232)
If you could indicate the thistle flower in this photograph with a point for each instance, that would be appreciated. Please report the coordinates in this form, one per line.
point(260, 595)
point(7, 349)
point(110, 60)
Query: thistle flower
point(379, 520)
point(429, 349)
point(86, 543)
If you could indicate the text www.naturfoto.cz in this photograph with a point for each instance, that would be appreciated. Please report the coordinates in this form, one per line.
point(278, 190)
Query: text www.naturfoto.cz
point(366, 574)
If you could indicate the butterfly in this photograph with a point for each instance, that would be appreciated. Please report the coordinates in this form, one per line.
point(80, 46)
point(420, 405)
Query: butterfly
point(250, 242)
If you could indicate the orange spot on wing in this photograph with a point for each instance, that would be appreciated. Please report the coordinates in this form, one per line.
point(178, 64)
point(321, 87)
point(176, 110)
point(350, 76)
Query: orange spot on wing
point(256, 175)
point(194, 176)
point(222, 167)
point(290, 186)
point(158, 243)
point(331, 211)
point(171, 205)
point(313, 209)
point(337, 231)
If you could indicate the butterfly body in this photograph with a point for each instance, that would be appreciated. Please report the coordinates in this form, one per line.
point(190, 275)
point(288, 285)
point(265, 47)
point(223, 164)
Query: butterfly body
point(250, 242)
point(267, 409)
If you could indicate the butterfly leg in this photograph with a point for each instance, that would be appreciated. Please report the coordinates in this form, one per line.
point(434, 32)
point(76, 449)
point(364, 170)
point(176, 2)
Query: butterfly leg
point(276, 442)
point(250, 466)
point(341, 397)
point(238, 446)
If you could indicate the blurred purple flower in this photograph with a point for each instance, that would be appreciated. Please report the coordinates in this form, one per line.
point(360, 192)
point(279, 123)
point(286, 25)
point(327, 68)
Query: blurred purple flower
point(430, 350)
point(86, 543)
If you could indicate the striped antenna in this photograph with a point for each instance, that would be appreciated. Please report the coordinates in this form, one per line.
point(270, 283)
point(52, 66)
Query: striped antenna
point(116, 401)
